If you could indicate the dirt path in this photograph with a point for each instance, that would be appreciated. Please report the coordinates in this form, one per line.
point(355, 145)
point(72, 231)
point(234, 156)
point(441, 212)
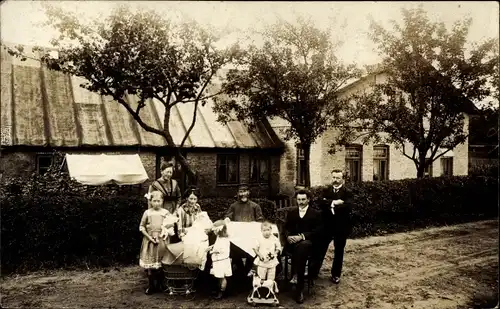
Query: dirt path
point(448, 267)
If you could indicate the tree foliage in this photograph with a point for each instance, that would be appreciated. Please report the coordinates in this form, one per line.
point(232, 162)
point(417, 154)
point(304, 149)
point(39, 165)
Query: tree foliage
point(432, 80)
point(295, 76)
point(141, 54)
point(484, 127)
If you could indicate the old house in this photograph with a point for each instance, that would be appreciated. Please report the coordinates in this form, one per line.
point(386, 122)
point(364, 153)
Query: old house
point(44, 110)
point(362, 162)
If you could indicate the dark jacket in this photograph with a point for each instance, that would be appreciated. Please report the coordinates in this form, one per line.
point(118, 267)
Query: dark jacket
point(245, 212)
point(340, 223)
point(310, 225)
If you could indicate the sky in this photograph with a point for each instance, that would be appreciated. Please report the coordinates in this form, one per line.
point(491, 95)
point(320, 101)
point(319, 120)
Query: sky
point(20, 20)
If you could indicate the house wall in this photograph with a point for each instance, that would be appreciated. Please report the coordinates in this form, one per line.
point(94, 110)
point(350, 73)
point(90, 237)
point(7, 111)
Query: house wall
point(23, 164)
point(322, 162)
point(206, 166)
point(17, 164)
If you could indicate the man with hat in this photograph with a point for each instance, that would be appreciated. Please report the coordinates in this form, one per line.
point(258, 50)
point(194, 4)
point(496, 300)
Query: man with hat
point(243, 210)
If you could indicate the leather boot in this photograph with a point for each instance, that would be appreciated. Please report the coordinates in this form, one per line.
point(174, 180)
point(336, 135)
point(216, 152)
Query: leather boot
point(160, 282)
point(151, 287)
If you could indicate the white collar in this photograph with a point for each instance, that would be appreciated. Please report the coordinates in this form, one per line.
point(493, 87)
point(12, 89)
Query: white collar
point(303, 209)
point(337, 188)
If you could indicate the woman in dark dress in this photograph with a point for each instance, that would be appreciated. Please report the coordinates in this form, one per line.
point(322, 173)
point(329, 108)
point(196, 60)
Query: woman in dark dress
point(171, 192)
point(168, 187)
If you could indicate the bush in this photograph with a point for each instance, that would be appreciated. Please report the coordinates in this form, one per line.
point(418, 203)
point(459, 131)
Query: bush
point(394, 206)
point(52, 222)
point(217, 206)
point(489, 170)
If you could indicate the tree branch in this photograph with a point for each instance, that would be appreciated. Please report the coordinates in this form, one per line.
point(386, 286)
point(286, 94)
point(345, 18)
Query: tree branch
point(412, 157)
point(134, 114)
point(138, 119)
point(195, 112)
point(441, 154)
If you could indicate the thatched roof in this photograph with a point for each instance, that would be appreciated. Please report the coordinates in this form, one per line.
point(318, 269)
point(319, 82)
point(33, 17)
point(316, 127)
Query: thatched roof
point(41, 107)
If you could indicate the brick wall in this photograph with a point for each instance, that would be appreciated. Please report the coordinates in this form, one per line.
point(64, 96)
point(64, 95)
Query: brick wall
point(17, 164)
point(206, 166)
point(23, 164)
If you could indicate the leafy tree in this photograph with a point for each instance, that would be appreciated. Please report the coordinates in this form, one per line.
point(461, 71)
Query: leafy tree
point(431, 81)
point(295, 76)
point(142, 54)
point(484, 127)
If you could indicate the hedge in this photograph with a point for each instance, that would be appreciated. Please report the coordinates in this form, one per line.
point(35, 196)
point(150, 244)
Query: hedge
point(52, 222)
point(402, 205)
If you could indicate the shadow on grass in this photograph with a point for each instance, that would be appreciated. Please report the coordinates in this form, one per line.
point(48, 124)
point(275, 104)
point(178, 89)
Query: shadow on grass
point(487, 298)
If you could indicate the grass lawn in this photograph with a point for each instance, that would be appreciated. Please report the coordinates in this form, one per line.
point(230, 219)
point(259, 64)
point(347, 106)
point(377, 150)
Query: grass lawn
point(446, 267)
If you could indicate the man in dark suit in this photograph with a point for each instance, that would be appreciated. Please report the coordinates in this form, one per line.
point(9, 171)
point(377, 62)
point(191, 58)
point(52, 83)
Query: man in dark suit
point(302, 228)
point(336, 212)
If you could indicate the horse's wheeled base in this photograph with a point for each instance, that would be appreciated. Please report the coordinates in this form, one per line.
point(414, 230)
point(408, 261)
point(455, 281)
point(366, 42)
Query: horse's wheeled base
point(264, 292)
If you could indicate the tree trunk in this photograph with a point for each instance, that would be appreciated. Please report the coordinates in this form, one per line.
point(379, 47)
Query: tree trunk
point(191, 174)
point(422, 165)
point(307, 156)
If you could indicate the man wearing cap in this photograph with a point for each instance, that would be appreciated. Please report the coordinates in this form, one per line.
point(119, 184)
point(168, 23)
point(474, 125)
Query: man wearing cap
point(243, 210)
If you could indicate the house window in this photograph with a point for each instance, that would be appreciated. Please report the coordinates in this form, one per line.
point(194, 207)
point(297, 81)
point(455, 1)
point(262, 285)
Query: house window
point(259, 170)
point(447, 166)
point(43, 163)
point(380, 163)
point(428, 169)
point(301, 166)
point(353, 163)
point(227, 169)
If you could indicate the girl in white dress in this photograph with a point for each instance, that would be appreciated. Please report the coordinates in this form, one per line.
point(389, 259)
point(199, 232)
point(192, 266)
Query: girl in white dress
point(221, 263)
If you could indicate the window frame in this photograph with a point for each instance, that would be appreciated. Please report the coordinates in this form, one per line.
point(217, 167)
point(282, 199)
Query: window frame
point(43, 155)
point(443, 160)
point(299, 163)
point(378, 159)
point(428, 169)
point(259, 159)
point(358, 148)
point(217, 169)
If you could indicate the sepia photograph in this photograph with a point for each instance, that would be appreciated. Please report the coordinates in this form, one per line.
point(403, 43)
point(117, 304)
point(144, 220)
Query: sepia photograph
point(239, 154)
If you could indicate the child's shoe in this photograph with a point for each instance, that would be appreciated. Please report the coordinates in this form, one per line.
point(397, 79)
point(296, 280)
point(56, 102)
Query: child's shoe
point(151, 287)
point(219, 295)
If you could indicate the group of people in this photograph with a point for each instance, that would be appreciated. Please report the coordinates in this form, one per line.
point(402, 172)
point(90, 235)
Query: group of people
point(308, 230)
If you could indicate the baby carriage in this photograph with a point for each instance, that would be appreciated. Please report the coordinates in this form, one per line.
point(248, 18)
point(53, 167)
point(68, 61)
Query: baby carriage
point(185, 259)
point(179, 279)
point(263, 292)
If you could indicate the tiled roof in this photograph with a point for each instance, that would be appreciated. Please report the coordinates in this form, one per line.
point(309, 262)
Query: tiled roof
point(41, 107)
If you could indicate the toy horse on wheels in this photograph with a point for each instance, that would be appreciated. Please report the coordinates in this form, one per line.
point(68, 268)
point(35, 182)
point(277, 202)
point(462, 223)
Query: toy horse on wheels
point(263, 292)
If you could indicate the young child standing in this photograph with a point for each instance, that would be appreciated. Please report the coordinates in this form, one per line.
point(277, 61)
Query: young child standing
point(221, 263)
point(267, 251)
point(153, 245)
